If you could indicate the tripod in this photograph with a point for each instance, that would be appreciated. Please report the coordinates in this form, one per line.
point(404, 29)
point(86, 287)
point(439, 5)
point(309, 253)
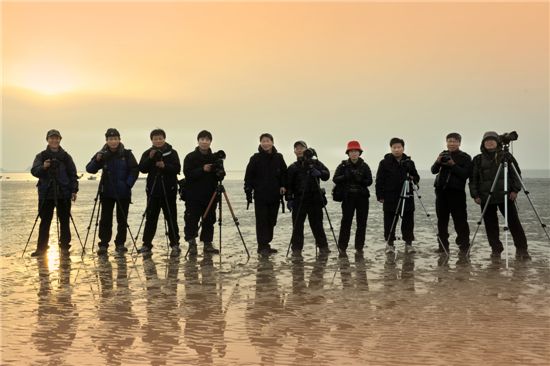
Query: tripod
point(504, 166)
point(217, 199)
point(105, 175)
point(52, 183)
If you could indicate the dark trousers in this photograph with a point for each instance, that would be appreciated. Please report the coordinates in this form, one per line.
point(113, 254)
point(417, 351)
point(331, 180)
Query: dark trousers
point(266, 219)
point(407, 225)
point(492, 229)
point(350, 205)
point(314, 212)
point(169, 210)
point(106, 221)
point(452, 203)
point(193, 215)
point(46, 215)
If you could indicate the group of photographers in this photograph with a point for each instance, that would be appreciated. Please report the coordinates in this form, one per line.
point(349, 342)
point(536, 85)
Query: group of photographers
point(267, 181)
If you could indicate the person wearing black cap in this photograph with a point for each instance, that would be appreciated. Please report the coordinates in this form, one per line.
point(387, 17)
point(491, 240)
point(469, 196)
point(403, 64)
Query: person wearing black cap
point(484, 172)
point(393, 171)
point(202, 172)
point(453, 168)
point(57, 186)
point(264, 183)
point(354, 177)
point(120, 172)
point(305, 198)
point(162, 165)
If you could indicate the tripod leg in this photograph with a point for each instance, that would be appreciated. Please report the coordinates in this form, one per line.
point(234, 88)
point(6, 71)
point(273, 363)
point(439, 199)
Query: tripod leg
point(96, 224)
point(236, 221)
point(172, 227)
point(430, 218)
point(90, 223)
point(205, 214)
point(30, 235)
point(294, 225)
point(506, 229)
point(331, 228)
point(76, 231)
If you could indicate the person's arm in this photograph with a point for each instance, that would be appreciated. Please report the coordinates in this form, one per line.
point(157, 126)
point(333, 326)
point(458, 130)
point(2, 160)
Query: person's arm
point(414, 174)
point(339, 175)
point(436, 167)
point(474, 178)
point(515, 183)
point(380, 183)
point(462, 168)
point(133, 169)
point(37, 169)
point(367, 178)
point(325, 173)
point(93, 166)
point(191, 170)
point(172, 165)
point(146, 164)
point(284, 169)
point(71, 173)
point(249, 178)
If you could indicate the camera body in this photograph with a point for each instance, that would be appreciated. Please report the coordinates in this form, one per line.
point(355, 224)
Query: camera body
point(445, 156)
point(508, 137)
point(217, 165)
point(158, 155)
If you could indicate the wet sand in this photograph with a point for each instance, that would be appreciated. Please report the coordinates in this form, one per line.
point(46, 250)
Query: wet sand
point(412, 310)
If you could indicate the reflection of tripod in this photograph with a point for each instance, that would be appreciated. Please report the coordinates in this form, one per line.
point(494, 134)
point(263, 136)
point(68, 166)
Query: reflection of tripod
point(105, 175)
point(217, 199)
point(504, 165)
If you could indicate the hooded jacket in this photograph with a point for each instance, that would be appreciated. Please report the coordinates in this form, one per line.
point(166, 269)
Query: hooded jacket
point(301, 185)
point(61, 174)
point(265, 175)
point(169, 174)
point(354, 177)
point(199, 185)
point(390, 177)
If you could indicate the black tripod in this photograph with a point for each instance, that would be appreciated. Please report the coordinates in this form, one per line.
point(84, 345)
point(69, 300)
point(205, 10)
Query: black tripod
point(217, 199)
point(105, 175)
point(504, 166)
point(52, 183)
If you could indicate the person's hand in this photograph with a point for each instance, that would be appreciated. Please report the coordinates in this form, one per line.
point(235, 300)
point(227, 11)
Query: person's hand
point(282, 191)
point(450, 162)
point(248, 193)
point(290, 205)
point(315, 172)
point(478, 200)
point(47, 163)
point(152, 153)
point(439, 157)
point(160, 164)
point(207, 168)
point(73, 197)
point(513, 196)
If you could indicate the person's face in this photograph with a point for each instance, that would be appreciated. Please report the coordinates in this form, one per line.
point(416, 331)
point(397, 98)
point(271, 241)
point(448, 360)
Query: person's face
point(354, 154)
point(158, 141)
point(453, 144)
point(266, 144)
point(54, 141)
point(490, 144)
point(397, 150)
point(113, 142)
point(299, 150)
point(204, 143)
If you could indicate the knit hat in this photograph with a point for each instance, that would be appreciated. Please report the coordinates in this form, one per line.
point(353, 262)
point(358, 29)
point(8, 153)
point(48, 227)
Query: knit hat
point(354, 145)
point(490, 135)
point(112, 132)
point(51, 133)
point(300, 142)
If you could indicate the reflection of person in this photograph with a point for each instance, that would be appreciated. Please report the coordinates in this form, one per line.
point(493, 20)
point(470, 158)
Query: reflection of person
point(120, 172)
point(57, 316)
point(117, 321)
point(406, 275)
point(205, 320)
point(485, 169)
point(263, 313)
point(57, 186)
point(162, 330)
point(360, 280)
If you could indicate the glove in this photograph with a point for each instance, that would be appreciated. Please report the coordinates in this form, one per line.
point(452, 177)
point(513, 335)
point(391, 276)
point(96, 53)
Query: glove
point(248, 196)
point(290, 205)
point(315, 172)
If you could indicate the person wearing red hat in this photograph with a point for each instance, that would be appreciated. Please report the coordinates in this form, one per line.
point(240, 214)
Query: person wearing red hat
point(353, 177)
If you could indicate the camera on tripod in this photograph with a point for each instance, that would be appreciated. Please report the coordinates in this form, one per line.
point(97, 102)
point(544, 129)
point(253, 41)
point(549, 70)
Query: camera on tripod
point(217, 165)
point(445, 156)
point(406, 162)
point(508, 137)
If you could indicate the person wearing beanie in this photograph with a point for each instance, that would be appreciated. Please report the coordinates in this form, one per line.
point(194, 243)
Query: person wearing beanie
point(353, 178)
point(484, 172)
point(264, 184)
point(57, 185)
point(453, 168)
point(202, 172)
point(305, 198)
point(162, 165)
point(393, 171)
point(120, 172)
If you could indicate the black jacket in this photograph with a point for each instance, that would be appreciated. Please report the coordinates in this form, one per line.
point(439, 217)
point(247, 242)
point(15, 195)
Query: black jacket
point(355, 178)
point(453, 177)
point(390, 177)
point(62, 169)
point(169, 174)
point(301, 185)
point(120, 172)
point(484, 171)
point(265, 175)
point(199, 185)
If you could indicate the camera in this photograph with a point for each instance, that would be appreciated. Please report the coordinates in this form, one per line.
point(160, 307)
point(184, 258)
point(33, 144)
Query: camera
point(445, 156)
point(217, 165)
point(508, 137)
point(54, 163)
point(157, 156)
point(406, 162)
point(309, 154)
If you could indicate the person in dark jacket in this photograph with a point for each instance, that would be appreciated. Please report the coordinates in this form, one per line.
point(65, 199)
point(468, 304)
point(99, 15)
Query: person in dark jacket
point(393, 171)
point(453, 168)
point(484, 172)
point(162, 165)
point(203, 170)
point(264, 183)
point(305, 198)
point(354, 176)
point(120, 172)
point(57, 186)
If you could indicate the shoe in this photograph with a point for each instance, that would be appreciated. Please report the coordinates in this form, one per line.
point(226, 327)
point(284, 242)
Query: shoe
point(175, 251)
point(324, 250)
point(342, 254)
point(102, 250)
point(359, 251)
point(264, 252)
point(463, 250)
point(145, 249)
point(121, 249)
point(296, 252)
point(39, 252)
point(523, 255)
point(390, 249)
point(193, 247)
point(264, 249)
point(209, 248)
point(495, 253)
point(409, 248)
